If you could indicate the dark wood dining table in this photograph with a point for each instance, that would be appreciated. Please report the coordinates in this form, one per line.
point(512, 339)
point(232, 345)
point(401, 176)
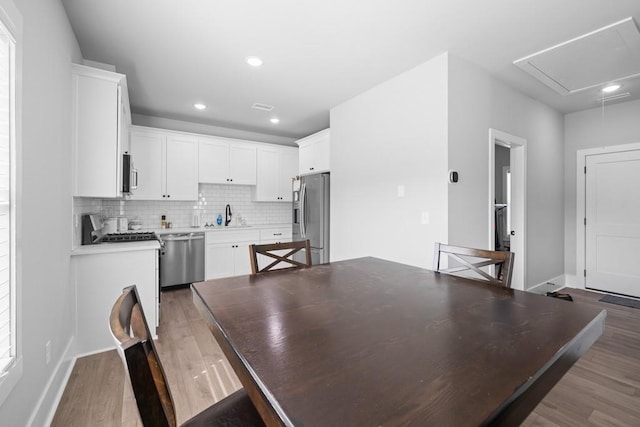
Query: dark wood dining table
point(369, 342)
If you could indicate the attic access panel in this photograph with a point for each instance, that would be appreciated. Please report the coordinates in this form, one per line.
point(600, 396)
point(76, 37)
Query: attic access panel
point(609, 54)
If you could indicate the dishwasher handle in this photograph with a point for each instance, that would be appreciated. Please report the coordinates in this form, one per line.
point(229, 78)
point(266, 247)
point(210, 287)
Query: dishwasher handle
point(179, 237)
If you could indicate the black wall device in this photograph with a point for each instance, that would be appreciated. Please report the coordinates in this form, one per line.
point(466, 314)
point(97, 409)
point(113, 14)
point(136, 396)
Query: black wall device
point(453, 177)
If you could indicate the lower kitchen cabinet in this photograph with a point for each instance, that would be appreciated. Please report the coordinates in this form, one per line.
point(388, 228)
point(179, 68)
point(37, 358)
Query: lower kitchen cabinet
point(99, 279)
point(274, 235)
point(227, 253)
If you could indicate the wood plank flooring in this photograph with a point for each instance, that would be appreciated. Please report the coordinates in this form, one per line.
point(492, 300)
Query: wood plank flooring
point(601, 389)
point(99, 394)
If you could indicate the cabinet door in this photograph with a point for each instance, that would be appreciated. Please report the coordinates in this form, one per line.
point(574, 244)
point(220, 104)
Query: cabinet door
point(213, 161)
point(220, 260)
point(96, 137)
point(181, 168)
point(315, 153)
point(146, 152)
point(288, 168)
point(242, 261)
point(242, 164)
point(267, 187)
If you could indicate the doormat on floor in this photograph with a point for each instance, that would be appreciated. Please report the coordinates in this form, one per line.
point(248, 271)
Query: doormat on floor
point(627, 302)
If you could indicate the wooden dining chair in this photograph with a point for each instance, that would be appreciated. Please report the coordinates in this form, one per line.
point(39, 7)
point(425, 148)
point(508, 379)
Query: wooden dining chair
point(276, 251)
point(138, 352)
point(470, 259)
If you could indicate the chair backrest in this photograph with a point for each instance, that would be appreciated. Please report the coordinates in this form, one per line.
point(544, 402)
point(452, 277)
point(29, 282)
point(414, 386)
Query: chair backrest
point(136, 348)
point(275, 251)
point(473, 260)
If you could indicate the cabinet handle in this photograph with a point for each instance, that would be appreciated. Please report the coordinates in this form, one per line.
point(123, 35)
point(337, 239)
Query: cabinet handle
point(311, 169)
point(168, 195)
point(164, 195)
point(231, 179)
point(277, 234)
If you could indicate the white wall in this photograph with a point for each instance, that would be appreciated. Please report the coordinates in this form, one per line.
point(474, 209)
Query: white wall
point(47, 296)
point(182, 126)
point(478, 102)
point(620, 124)
point(393, 134)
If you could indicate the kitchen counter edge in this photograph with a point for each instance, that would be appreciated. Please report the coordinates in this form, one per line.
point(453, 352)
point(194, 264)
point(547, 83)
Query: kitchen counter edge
point(106, 248)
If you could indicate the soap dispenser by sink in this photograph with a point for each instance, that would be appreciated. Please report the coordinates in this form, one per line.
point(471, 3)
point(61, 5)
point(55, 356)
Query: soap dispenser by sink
point(227, 216)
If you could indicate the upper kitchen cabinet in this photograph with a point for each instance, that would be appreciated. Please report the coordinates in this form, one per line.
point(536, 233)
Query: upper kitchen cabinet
point(222, 161)
point(314, 152)
point(277, 165)
point(167, 164)
point(101, 121)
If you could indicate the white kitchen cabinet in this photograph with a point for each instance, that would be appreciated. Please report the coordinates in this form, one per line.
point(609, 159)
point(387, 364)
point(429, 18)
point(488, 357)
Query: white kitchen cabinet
point(101, 119)
point(274, 235)
point(315, 152)
point(227, 252)
point(276, 168)
point(99, 279)
point(167, 164)
point(222, 161)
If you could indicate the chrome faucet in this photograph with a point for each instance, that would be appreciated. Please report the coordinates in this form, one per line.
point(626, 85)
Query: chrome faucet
point(227, 215)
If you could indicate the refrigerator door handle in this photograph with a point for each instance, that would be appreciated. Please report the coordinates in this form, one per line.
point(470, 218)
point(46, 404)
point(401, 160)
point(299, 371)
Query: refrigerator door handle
point(303, 200)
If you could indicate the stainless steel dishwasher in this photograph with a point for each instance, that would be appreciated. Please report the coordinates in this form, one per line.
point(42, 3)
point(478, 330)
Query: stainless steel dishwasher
point(181, 258)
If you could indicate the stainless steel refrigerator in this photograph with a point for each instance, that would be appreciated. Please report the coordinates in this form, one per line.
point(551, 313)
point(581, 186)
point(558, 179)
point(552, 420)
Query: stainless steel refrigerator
point(311, 215)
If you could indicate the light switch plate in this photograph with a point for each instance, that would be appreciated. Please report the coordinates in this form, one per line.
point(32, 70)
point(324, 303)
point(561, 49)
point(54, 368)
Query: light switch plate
point(400, 190)
point(425, 218)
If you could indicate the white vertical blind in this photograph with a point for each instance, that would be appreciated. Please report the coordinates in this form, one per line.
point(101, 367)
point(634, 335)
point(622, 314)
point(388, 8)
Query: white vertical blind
point(7, 315)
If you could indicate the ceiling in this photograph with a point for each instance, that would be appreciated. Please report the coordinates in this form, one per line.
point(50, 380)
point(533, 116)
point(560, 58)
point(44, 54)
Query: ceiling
point(318, 54)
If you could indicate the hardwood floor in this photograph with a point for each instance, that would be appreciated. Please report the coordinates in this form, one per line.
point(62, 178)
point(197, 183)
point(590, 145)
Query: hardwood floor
point(99, 394)
point(601, 389)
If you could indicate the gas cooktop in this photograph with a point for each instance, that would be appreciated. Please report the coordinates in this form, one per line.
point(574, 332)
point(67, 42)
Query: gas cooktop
point(137, 236)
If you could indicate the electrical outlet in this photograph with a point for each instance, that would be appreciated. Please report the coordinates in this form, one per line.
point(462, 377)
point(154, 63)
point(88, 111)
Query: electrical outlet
point(47, 352)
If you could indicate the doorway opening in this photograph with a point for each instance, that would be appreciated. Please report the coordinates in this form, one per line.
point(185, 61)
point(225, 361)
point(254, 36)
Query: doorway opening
point(507, 199)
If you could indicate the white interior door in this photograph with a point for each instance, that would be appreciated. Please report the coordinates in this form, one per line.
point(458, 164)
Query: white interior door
point(612, 208)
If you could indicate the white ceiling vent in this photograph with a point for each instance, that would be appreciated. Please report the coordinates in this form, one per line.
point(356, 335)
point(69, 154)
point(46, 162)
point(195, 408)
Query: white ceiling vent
point(263, 107)
point(609, 54)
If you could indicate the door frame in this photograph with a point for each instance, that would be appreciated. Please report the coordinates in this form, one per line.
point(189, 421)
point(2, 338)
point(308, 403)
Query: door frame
point(518, 155)
point(581, 203)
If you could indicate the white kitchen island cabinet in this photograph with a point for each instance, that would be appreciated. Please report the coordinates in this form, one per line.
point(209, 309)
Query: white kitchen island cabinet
point(315, 152)
point(277, 166)
point(101, 120)
point(100, 273)
point(226, 161)
point(167, 164)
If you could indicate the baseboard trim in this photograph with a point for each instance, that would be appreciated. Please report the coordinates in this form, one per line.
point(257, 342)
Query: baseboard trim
point(573, 281)
point(46, 407)
point(559, 281)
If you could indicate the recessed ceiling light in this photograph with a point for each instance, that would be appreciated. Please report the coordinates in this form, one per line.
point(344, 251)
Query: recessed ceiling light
point(199, 106)
point(254, 61)
point(275, 120)
point(611, 88)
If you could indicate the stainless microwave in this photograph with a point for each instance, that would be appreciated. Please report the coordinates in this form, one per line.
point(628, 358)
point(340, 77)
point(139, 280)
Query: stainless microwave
point(129, 175)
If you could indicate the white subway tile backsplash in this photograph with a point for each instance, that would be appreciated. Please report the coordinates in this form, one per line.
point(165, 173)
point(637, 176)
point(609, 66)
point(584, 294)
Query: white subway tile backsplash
point(214, 198)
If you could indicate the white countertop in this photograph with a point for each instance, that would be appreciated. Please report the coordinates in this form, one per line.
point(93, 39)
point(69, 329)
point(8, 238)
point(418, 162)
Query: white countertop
point(221, 228)
point(105, 248)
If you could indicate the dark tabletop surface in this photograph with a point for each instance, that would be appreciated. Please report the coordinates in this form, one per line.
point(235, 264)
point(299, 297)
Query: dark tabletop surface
point(368, 342)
